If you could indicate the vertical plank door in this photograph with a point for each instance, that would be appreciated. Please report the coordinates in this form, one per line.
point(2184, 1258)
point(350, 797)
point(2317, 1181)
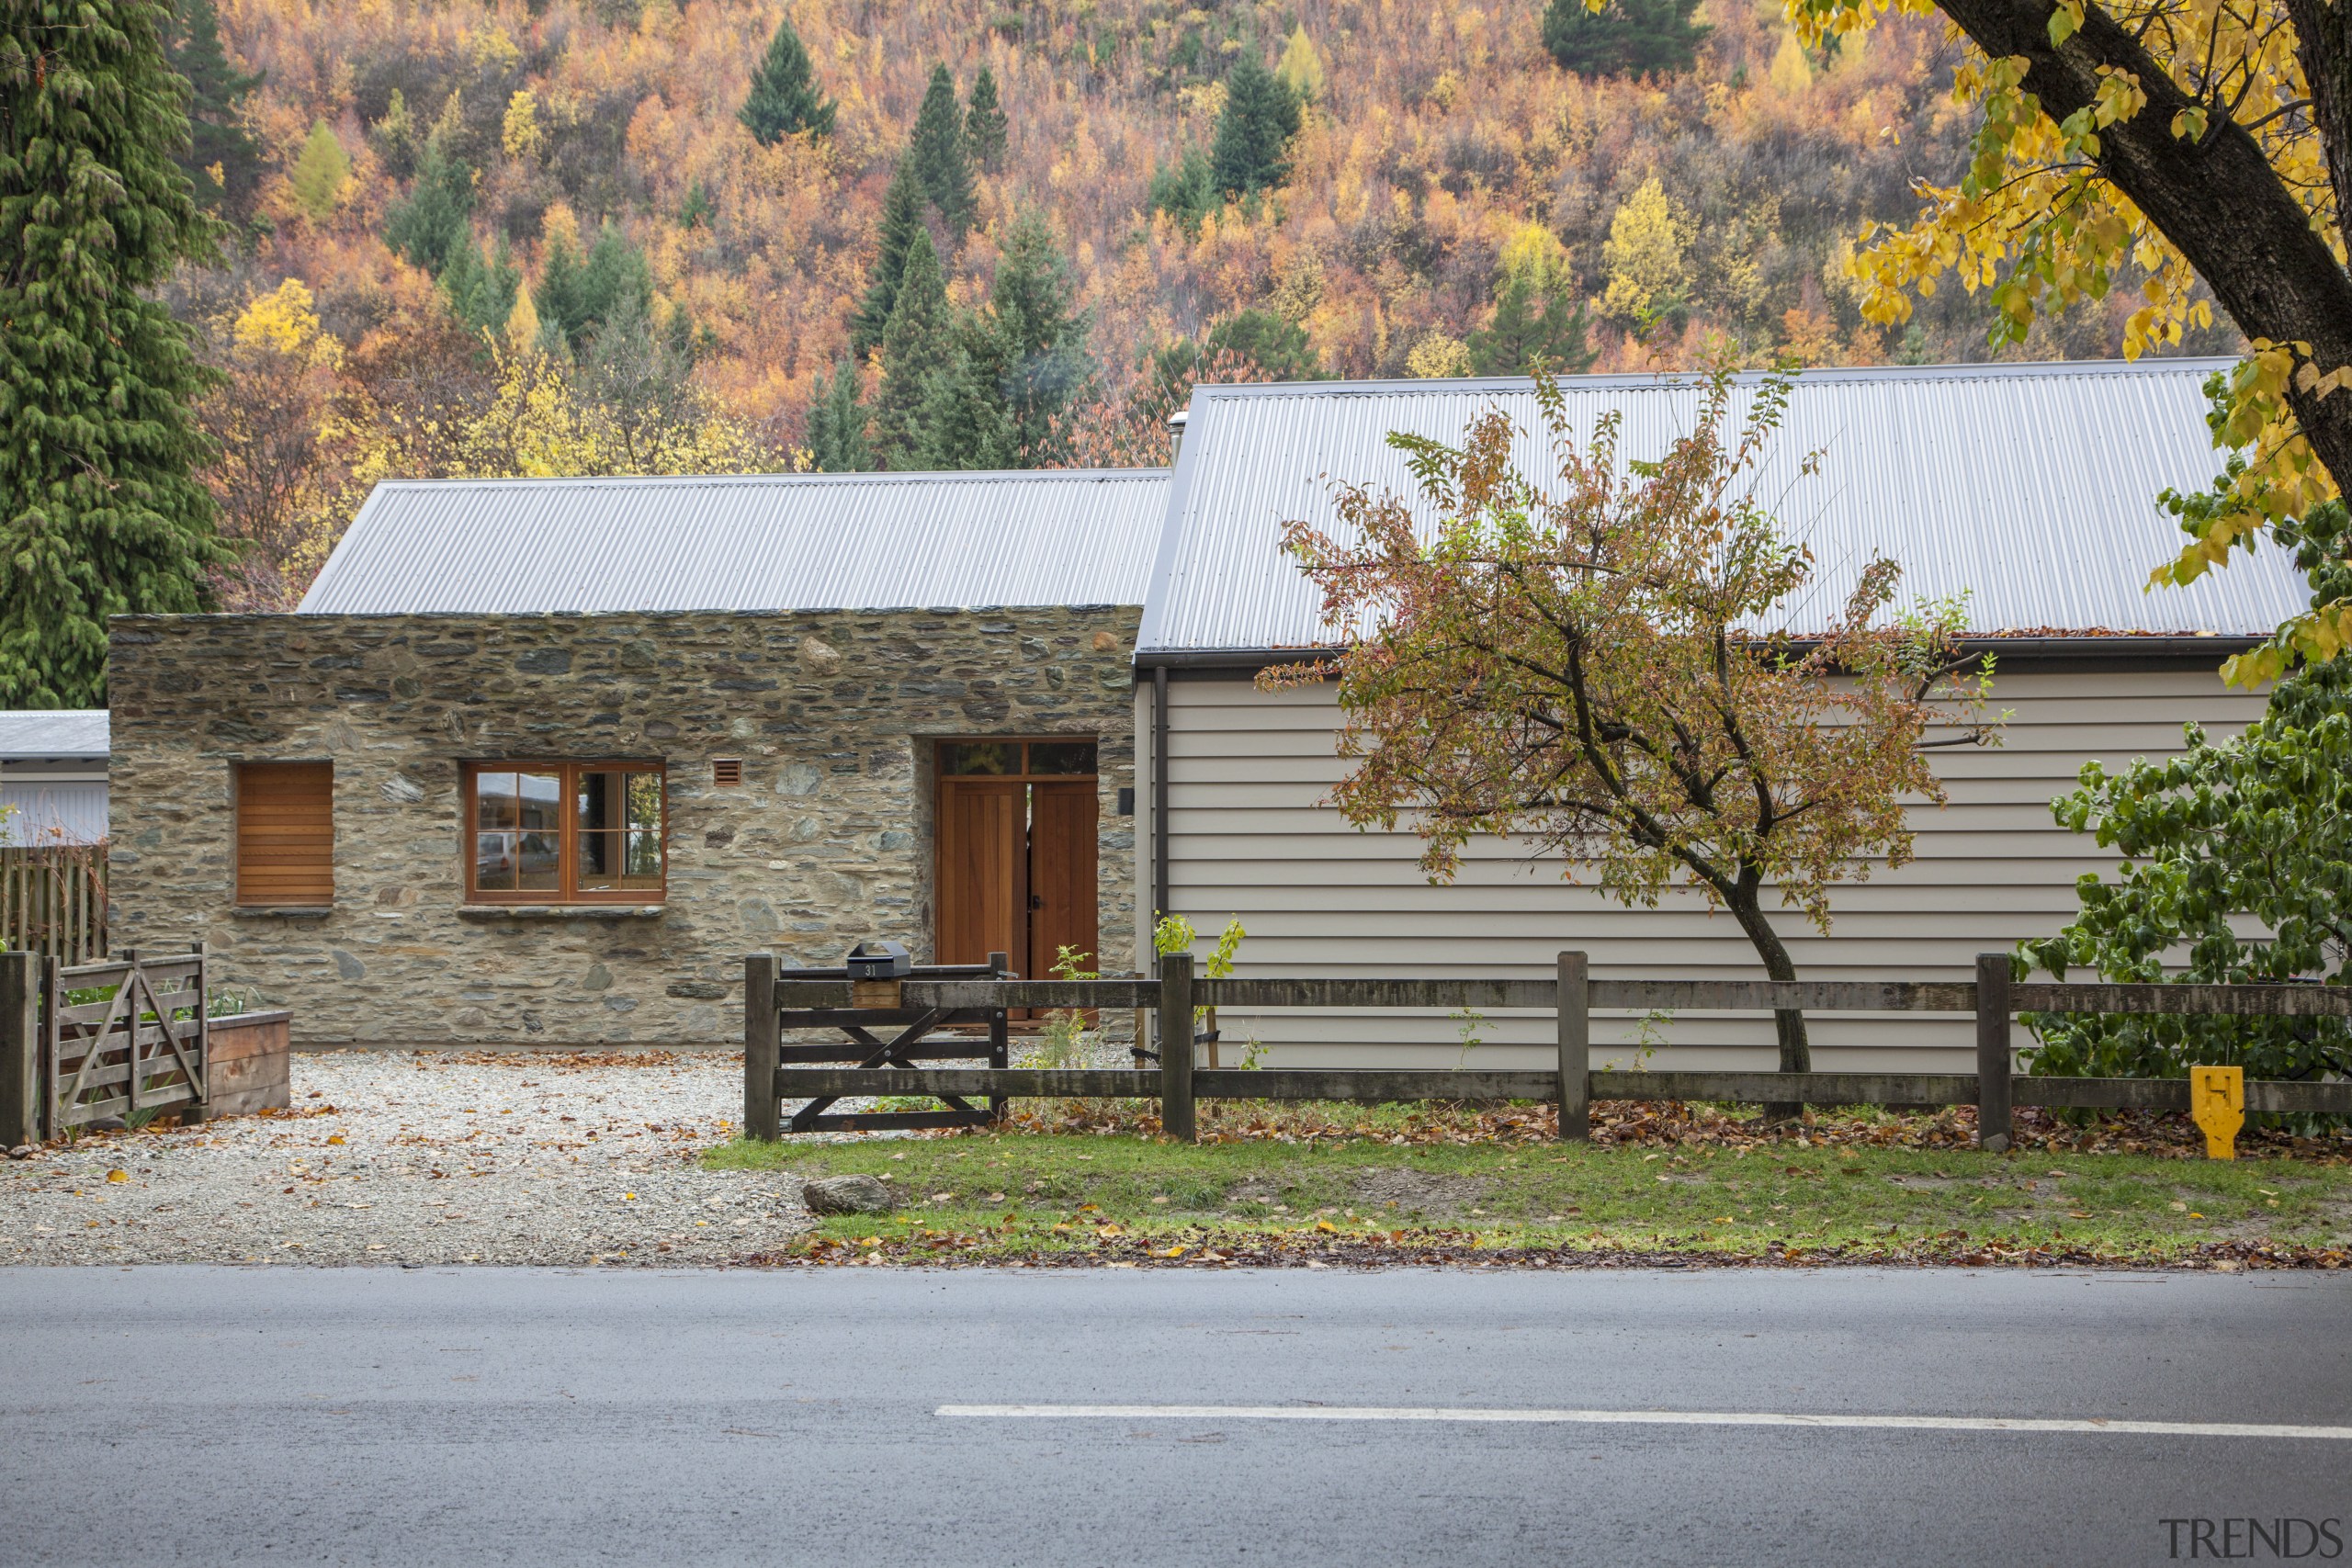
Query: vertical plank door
point(1062, 844)
point(983, 886)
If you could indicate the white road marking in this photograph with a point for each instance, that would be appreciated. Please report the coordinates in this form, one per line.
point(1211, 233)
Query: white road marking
point(1639, 1418)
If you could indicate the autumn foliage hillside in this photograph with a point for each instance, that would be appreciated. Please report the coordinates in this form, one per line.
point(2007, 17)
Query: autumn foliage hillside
point(1437, 140)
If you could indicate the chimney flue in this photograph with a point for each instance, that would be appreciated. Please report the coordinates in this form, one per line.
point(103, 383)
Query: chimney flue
point(1176, 435)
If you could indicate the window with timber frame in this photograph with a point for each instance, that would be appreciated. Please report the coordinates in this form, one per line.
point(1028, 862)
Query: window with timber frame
point(541, 832)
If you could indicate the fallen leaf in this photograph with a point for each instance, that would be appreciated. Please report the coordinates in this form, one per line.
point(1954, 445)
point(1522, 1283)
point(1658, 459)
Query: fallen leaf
point(334, 1137)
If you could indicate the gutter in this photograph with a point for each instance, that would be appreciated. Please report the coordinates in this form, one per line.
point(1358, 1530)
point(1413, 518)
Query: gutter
point(2121, 652)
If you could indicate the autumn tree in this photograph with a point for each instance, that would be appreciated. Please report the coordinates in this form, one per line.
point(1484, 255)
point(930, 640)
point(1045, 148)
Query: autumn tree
point(984, 123)
point(1566, 661)
point(1649, 275)
point(902, 221)
point(220, 157)
point(783, 99)
point(2162, 144)
point(1624, 37)
point(936, 151)
point(283, 424)
point(320, 174)
point(101, 508)
point(1261, 115)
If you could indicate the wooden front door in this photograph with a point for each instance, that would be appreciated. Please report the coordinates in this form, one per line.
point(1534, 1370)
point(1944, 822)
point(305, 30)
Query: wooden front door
point(1017, 857)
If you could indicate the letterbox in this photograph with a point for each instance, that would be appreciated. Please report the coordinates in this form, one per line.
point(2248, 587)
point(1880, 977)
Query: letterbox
point(878, 961)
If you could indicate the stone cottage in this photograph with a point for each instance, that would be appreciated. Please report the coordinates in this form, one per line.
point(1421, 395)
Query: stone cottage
point(540, 760)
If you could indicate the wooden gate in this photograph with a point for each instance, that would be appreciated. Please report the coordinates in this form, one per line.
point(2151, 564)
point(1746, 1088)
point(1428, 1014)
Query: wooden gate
point(53, 900)
point(972, 1033)
point(141, 1048)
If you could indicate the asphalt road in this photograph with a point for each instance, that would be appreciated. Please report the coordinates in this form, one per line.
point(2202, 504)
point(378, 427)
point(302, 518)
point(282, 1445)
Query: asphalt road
point(216, 1416)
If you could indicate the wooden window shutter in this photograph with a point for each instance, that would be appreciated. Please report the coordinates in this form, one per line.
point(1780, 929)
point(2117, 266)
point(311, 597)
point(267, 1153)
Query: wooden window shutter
point(286, 833)
point(727, 773)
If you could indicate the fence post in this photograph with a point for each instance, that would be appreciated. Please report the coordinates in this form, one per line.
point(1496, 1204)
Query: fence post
point(1993, 1122)
point(1176, 1047)
point(200, 1108)
point(763, 1040)
point(1575, 1006)
point(19, 1048)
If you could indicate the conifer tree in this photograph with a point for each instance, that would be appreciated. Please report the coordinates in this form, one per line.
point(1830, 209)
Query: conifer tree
point(556, 298)
point(1253, 134)
point(984, 123)
point(915, 347)
point(965, 421)
point(1044, 362)
point(616, 282)
point(1629, 38)
point(101, 512)
point(1539, 325)
point(481, 290)
point(216, 90)
point(902, 221)
point(936, 151)
point(836, 432)
point(320, 174)
point(429, 224)
point(783, 97)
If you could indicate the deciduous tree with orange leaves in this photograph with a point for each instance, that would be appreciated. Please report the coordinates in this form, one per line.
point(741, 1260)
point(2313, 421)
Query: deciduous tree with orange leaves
point(1569, 661)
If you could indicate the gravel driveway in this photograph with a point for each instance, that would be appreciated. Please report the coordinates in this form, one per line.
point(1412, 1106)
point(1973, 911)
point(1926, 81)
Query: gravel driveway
point(420, 1158)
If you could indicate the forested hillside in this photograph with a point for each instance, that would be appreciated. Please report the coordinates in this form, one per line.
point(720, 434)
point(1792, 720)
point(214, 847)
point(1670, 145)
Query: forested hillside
point(600, 235)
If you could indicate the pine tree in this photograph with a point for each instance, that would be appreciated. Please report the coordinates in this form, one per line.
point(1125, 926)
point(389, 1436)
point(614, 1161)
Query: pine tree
point(481, 290)
point(435, 217)
point(101, 512)
point(1631, 37)
point(562, 310)
point(320, 174)
point(783, 97)
point(836, 433)
point(965, 422)
point(1539, 324)
point(216, 90)
point(1253, 133)
point(1044, 362)
point(902, 221)
point(917, 346)
point(616, 282)
point(936, 151)
point(984, 123)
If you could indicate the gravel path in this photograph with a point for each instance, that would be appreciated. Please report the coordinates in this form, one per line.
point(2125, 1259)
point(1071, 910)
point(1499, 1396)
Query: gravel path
point(422, 1159)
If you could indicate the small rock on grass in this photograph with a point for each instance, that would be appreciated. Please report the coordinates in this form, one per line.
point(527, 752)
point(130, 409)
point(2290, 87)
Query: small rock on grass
point(847, 1195)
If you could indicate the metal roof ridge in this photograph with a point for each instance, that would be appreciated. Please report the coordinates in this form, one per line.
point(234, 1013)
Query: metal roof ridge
point(1976, 370)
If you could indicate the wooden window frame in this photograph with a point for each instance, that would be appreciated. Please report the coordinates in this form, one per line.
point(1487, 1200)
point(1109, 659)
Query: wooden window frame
point(566, 892)
point(938, 743)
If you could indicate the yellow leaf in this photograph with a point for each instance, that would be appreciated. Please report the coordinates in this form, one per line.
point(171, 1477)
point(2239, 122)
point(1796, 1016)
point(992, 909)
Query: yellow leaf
point(1108, 1231)
point(118, 1176)
point(334, 1137)
point(1325, 1226)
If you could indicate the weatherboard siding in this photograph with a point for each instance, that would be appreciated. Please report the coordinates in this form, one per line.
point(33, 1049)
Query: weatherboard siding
point(1250, 837)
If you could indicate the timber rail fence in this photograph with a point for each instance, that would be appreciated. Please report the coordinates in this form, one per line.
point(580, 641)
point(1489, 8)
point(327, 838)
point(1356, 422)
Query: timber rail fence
point(1571, 996)
point(53, 900)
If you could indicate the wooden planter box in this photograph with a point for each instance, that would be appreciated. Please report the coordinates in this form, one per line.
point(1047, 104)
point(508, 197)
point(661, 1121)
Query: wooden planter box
point(246, 1068)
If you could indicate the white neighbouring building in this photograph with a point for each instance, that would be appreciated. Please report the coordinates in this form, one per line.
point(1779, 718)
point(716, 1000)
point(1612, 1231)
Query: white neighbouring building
point(2032, 487)
point(52, 776)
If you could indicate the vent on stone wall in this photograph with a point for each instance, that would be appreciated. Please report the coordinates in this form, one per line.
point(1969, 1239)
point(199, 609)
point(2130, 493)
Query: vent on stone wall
point(727, 773)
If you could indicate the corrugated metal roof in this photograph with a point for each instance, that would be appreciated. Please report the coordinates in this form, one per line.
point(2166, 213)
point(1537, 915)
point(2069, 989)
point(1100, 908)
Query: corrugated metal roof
point(2033, 487)
point(53, 734)
point(746, 543)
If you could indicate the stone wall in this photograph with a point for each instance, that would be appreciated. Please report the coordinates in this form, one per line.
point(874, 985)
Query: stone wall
point(828, 842)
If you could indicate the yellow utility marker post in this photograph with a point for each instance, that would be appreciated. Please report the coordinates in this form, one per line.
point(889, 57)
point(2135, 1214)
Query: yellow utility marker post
point(2217, 1101)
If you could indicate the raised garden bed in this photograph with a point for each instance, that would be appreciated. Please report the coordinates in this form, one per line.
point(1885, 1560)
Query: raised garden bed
point(245, 1070)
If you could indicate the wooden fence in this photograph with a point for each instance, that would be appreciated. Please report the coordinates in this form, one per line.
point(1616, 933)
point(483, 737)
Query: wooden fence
point(1571, 997)
point(53, 900)
point(136, 1047)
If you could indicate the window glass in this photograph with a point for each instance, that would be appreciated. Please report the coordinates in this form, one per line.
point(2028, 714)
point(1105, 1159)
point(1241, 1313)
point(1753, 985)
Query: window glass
point(1061, 756)
point(619, 816)
point(964, 758)
point(609, 817)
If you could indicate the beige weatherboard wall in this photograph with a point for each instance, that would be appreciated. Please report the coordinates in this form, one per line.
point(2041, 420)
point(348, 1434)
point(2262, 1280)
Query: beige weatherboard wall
point(2090, 667)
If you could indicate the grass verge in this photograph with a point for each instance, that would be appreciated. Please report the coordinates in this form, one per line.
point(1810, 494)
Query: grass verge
point(1320, 1185)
